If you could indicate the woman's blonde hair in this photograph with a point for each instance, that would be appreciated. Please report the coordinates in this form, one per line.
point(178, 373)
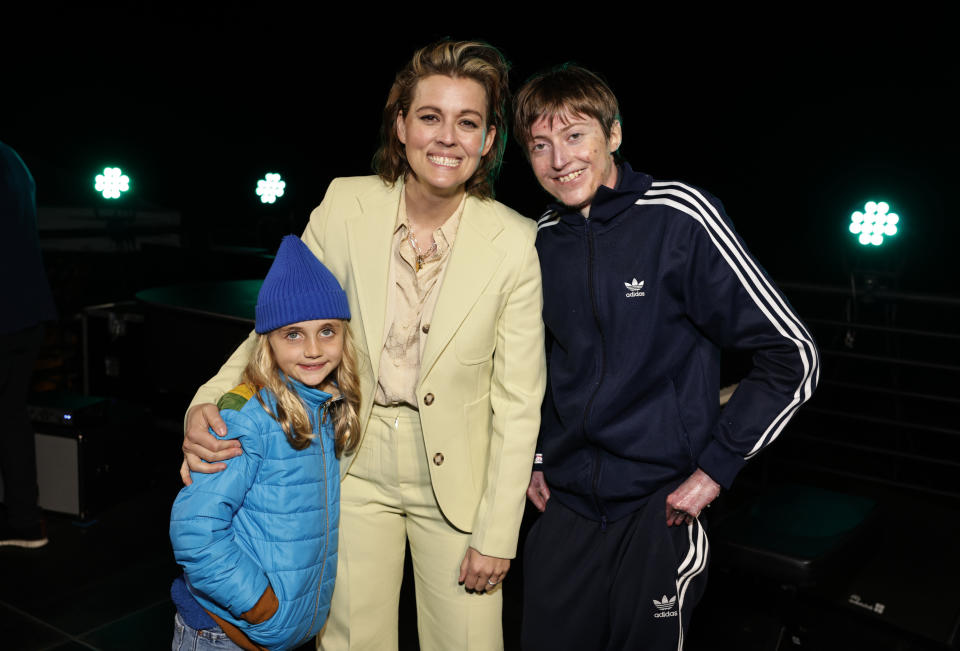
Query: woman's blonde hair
point(457, 59)
point(262, 372)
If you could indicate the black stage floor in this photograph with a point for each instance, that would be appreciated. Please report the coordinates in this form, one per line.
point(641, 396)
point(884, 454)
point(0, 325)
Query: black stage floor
point(103, 585)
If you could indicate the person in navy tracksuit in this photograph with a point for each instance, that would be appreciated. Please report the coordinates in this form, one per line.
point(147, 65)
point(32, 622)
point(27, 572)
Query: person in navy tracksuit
point(644, 282)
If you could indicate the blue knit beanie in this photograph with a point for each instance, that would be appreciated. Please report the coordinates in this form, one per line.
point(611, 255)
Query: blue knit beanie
point(298, 288)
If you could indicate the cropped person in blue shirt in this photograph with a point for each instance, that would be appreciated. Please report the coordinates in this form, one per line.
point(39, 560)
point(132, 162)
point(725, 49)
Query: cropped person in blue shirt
point(258, 542)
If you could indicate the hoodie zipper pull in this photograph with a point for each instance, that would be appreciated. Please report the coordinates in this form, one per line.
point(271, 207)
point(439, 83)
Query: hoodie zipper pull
point(603, 523)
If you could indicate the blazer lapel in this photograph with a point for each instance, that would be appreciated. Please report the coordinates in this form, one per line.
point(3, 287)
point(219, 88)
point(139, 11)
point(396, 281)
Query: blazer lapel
point(370, 237)
point(473, 261)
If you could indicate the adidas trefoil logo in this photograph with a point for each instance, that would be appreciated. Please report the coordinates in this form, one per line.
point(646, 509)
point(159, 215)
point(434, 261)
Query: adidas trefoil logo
point(665, 603)
point(634, 287)
point(666, 607)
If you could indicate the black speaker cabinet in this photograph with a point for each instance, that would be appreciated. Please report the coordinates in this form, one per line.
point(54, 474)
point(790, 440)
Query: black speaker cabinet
point(71, 471)
point(71, 439)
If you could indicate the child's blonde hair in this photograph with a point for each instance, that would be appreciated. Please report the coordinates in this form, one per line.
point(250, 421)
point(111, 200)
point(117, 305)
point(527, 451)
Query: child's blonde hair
point(262, 372)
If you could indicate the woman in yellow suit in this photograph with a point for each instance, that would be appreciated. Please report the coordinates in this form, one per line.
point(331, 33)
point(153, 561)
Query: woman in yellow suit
point(444, 289)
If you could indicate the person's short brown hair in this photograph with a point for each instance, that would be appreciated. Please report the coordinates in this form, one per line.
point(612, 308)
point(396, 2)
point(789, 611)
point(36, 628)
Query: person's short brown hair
point(458, 59)
point(567, 88)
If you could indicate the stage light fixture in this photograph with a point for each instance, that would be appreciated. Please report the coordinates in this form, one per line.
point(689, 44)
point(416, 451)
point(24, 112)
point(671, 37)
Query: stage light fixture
point(874, 223)
point(270, 188)
point(112, 183)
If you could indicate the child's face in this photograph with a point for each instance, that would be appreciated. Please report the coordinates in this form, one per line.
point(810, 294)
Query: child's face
point(308, 351)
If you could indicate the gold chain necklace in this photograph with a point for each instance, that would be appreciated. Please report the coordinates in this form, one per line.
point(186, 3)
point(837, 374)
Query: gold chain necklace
point(421, 256)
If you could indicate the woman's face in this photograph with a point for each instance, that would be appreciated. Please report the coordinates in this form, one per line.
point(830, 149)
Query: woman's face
point(445, 133)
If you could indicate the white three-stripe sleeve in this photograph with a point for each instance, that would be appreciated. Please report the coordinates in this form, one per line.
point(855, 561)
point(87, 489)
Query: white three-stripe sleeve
point(548, 219)
point(757, 286)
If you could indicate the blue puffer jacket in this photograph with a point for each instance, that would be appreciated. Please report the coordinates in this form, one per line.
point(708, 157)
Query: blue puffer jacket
point(271, 517)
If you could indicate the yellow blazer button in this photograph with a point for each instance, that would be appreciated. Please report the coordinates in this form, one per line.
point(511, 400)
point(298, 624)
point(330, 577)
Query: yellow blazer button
point(426, 328)
point(438, 458)
point(428, 399)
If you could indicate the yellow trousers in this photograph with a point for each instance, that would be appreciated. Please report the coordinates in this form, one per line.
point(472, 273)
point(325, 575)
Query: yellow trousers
point(386, 499)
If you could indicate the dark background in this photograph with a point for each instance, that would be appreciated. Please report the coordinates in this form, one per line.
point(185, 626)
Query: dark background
point(792, 118)
point(792, 114)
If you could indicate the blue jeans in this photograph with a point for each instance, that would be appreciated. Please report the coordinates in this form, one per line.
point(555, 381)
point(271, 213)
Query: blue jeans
point(190, 639)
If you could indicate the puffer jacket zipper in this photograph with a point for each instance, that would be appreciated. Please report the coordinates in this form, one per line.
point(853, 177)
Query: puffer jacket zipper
point(323, 412)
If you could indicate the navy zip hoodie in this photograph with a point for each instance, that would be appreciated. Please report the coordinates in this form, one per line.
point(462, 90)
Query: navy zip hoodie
point(638, 301)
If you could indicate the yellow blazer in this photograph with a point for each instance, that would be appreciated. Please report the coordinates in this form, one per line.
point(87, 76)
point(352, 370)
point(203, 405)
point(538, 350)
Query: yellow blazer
point(482, 375)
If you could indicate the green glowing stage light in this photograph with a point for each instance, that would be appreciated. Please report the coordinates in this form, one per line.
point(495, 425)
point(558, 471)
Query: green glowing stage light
point(874, 223)
point(112, 183)
point(270, 188)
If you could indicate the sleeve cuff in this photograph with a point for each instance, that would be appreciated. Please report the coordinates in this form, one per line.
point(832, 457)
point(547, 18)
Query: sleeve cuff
point(259, 583)
point(720, 463)
point(264, 609)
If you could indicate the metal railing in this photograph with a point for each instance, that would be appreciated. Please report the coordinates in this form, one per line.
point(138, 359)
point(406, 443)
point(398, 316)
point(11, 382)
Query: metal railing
point(887, 410)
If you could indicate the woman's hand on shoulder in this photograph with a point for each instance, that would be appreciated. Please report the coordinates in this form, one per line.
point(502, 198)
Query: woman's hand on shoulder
point(480, 573)
point(202, 451)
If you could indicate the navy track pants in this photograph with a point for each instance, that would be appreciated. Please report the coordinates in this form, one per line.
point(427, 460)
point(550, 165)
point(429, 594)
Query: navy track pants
point(630, 585)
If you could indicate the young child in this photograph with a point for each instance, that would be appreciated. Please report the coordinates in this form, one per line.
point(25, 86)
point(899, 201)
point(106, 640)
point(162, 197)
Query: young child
point(258, 541)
